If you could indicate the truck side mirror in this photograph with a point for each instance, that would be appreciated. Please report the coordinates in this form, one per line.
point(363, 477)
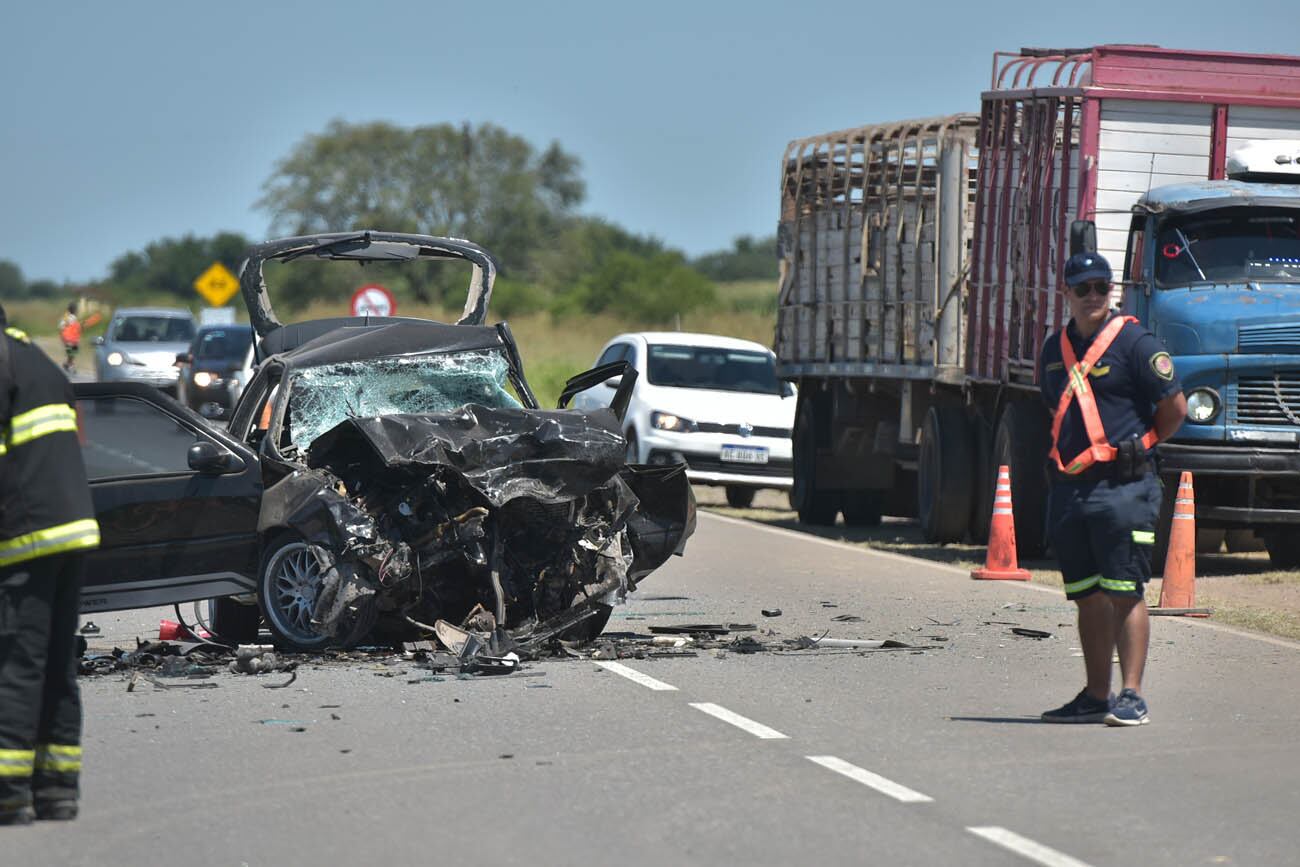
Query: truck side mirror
point(1083, 237)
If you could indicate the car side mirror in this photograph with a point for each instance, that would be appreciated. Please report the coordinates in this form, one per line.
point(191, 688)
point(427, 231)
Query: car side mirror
point(787, 390)
point(211, 459)
point(183, 358)
point(99, 341)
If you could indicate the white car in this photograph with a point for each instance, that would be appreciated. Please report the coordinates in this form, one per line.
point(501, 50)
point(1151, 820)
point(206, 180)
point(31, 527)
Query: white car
point(711, 402)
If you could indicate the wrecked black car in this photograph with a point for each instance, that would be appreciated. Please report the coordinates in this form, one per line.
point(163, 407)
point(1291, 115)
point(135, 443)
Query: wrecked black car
point(377, 476)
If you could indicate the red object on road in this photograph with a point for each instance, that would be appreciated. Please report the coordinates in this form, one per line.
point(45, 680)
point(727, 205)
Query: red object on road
point(373, 300)
point(1000, 562)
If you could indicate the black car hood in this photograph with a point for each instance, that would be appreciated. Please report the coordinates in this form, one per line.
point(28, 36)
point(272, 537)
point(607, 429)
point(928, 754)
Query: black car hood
point(547, 455)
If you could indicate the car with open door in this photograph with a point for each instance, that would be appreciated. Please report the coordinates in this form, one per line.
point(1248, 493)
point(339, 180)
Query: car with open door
point(377, 476)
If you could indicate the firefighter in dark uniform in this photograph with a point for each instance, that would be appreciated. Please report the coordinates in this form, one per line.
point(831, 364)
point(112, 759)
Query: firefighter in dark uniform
point(46, 522)
point(1114, 394)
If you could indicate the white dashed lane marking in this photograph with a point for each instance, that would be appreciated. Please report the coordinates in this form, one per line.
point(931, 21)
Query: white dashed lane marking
point(635, 676)
point(867, 778)
point(1036, 852)
point(758, 730)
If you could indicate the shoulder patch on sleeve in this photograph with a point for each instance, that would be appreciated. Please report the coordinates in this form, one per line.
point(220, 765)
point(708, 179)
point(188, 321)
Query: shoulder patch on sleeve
point(1163, 365)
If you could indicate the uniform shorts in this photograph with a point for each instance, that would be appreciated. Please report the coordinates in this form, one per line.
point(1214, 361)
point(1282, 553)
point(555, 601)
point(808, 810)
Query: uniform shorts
point(1103, 532)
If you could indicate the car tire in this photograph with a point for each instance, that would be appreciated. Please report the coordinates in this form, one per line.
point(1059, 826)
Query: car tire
point(232, 622)
point(288, 581)
point(740, 497)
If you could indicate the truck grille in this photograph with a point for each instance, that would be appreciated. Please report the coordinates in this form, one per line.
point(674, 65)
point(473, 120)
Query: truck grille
point(1269, 338)
point(1269, 400)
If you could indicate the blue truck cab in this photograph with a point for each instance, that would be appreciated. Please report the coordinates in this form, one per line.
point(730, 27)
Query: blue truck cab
point(1213, 269)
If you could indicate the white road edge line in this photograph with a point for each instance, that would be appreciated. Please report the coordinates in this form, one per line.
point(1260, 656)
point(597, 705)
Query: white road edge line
point(758, 730)
point(635, 676)
point(1035, 852)
point(867, 778)
point(944, 567)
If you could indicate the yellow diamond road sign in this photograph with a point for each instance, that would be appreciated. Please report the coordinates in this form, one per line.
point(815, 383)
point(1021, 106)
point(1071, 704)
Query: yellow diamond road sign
point(217, 285)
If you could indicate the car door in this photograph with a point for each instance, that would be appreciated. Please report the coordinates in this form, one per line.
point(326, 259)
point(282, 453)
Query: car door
point(601, 395)
point(176, 499)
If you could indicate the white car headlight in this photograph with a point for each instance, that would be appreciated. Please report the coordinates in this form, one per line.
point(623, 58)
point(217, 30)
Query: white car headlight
point(668, 421)
point(203, 379)
point(1202, 405)
point(114, 359)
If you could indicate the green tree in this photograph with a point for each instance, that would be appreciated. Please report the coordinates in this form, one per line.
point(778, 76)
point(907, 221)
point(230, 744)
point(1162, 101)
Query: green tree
point(12, 284)
point(169, 266)
point(649, 288)
point(748, 259)
point(481, 183)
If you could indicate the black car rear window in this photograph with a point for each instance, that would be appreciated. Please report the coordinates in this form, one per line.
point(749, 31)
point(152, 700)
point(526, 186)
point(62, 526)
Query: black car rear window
point(224, 344)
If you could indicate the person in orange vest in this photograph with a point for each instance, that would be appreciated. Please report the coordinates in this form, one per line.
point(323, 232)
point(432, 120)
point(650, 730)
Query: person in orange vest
point(70, 333)
point(1114, 394)
point(47, 523)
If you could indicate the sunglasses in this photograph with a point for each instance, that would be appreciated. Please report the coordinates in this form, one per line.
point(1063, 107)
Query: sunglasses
point(1101, 287)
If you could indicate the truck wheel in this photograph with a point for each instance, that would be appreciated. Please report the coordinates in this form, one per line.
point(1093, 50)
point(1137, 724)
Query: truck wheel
point(1283, 548)
point(945, 479)
point(740, 497)
point(814, 505)
point(981, 504)
point(1021, 443)
point(863, 508)
point(1243, 542)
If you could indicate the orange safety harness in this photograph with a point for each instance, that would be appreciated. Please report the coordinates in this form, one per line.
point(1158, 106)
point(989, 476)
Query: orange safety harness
point(1078, 388)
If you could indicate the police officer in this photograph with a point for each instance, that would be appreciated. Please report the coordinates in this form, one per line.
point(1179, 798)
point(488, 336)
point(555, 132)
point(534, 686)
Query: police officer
point(46, 522)
point(1113, 392)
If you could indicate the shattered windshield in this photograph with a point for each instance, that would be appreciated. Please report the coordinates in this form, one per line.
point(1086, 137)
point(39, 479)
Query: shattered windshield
point(321, 397)
point(1230, 245)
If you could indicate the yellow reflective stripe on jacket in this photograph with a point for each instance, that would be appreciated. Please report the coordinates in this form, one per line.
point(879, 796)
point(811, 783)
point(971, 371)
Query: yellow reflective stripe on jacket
point(60, 758)
point(72, 536)
point(1118, 586)
point(1082, 584)
point(1144, 537)
point(48, 419)
point(16, 763)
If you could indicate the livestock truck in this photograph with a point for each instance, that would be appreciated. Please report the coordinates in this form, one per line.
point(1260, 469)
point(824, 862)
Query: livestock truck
point(920, 269)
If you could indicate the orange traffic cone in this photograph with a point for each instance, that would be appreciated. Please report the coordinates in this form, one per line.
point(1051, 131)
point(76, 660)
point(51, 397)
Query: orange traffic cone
point(1178, 589)
point(1000, 563)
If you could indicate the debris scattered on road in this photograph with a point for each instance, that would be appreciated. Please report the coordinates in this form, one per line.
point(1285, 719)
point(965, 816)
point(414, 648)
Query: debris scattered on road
point(862, 643)
point(1030, 633)
point(771, 612)
point(846, 618)
point(89, 628)
point(691, 629)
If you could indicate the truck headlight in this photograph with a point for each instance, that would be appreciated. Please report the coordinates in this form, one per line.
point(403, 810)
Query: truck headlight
point(1202, 405)
point(114, 359)
point(668, 421)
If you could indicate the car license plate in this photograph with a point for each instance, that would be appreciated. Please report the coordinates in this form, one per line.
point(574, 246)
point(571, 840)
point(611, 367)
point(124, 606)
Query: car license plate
point(744, 454)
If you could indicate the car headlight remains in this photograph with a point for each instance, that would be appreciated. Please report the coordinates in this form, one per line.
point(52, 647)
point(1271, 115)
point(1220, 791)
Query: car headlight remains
point(1202, 405)
point(668, 421)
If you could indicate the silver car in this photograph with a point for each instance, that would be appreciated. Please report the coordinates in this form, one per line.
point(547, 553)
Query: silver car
point(141, 344)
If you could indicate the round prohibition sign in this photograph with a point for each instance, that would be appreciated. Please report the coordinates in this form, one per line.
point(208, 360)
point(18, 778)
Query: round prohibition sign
point(373, 300)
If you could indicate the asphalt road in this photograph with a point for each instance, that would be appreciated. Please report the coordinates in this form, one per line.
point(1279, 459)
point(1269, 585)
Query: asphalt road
point(925, 756)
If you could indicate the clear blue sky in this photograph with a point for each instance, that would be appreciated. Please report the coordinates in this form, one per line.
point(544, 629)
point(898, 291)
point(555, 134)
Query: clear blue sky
point(129, 121)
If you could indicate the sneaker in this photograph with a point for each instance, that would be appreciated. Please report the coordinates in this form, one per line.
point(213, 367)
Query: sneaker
point(19, 816)
point(61, 810)
point(1083, 708)
point(1128, 710)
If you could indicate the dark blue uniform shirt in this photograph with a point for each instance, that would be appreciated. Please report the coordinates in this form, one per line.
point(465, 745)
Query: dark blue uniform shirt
point(1131, 377)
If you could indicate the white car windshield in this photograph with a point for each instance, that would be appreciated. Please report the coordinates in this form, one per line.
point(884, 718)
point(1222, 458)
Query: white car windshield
point(321, 397)
point(713, 368)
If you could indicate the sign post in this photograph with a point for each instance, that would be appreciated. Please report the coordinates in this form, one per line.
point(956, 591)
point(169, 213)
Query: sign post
point(373, 300)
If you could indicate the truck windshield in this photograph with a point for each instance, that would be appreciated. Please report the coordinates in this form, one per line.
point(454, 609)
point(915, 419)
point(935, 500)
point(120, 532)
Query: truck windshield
point(712, 367)
point(1231, 245)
